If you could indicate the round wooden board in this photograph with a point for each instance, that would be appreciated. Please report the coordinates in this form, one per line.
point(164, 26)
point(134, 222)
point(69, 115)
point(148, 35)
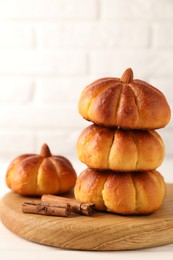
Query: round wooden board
point(102, 231)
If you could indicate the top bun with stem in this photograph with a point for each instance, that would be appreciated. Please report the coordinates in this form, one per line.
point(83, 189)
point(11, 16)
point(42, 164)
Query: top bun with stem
point(124, 102)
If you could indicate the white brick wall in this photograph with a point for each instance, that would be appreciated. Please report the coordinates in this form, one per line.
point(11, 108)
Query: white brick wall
point(92, 35)
point(42, 63)
point(16, 35)
point(51, 49)
point(48, 9)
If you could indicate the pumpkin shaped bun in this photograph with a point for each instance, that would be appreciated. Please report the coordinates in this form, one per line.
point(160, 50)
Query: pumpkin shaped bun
point(35, 175)
point(124, 102)
point(127, 193)
point(117, 149)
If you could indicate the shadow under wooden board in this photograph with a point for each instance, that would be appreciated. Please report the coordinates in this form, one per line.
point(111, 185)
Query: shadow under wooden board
point(102, 231)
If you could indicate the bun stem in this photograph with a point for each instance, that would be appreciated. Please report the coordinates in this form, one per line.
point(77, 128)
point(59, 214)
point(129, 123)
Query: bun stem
point(45, 151)
point(127, 76)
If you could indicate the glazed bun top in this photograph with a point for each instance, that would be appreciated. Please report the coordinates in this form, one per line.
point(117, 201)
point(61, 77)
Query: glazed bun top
point(124, 102)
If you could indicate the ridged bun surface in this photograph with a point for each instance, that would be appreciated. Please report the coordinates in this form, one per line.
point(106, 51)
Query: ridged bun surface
point(120, 150)
point(38, 174)
point(124, 102)
point(127, 193)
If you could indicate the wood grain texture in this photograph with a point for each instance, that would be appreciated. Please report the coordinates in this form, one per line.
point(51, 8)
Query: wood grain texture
point(102, 231)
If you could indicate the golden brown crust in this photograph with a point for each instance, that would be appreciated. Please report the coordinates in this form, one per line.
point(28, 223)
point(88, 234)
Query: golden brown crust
point(120, 150)
point(123, 193)
point(32, 174)
point(127, 103)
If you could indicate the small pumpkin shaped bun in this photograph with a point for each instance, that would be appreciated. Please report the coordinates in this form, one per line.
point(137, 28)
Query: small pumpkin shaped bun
point(128, 193)
point(38, 174)
point(124, 102)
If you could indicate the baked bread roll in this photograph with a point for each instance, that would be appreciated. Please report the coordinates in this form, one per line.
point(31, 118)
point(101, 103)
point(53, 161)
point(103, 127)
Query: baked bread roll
point(32, 174)
point(126, 102)
point(120, 150)
point(127, 193)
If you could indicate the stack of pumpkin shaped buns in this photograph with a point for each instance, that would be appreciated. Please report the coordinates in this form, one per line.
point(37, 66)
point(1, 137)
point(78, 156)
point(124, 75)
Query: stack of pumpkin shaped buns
point(122, 149)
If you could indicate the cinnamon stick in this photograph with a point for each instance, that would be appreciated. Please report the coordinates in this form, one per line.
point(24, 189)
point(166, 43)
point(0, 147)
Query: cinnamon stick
point(76, 207)
point(35, 207)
